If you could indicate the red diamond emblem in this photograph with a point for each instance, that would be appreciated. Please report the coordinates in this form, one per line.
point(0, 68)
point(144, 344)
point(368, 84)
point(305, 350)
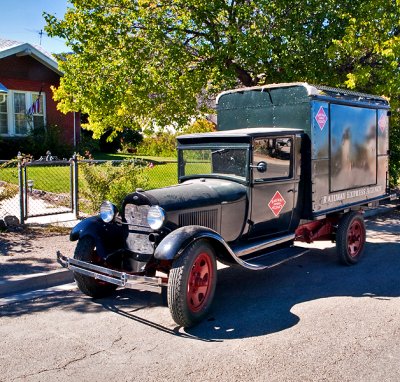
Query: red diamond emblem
point(383, 122)
point(277, 203)
point(321, 118)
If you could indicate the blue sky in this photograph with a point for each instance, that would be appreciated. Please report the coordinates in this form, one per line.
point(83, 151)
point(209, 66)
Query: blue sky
point(22, 20)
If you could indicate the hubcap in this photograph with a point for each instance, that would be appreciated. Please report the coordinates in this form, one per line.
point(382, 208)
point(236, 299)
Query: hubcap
point(199, 283)
point(355, 239)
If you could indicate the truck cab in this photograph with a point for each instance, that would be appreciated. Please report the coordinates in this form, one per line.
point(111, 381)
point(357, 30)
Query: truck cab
point(266, 162)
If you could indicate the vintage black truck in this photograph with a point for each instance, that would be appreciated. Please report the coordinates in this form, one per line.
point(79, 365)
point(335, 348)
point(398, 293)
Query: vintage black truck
point(290, 163)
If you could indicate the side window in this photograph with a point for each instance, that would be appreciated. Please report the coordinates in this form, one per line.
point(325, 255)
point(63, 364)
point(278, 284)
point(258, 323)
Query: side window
point(277, 154)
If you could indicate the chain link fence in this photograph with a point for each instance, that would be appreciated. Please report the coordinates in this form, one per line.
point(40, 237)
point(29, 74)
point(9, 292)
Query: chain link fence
point(113, 180)
point(9, 191)
point(45, 187)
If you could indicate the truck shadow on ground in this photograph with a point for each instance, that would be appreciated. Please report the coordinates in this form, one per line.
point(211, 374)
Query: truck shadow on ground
point(251, 304)
point(248, 303)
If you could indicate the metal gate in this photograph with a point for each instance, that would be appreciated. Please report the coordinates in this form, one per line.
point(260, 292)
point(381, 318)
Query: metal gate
point(47, 187)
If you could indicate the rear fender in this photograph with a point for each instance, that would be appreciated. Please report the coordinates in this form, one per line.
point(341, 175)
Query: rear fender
point(173, 245)
point(108, 237)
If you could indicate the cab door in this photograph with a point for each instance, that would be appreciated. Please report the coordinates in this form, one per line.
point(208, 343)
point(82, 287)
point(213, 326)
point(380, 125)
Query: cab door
point(274, 187)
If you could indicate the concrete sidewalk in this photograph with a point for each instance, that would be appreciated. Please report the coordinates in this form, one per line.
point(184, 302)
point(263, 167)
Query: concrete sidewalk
point(67, 219)
point(23, 284)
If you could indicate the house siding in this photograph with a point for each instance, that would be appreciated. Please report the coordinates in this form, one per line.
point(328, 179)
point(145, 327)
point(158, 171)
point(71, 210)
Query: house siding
point(27, 74)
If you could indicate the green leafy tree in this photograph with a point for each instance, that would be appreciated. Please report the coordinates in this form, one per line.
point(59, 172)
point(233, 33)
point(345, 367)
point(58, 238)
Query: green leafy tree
point(367, 58)
point(141, 62)
point(144, 63)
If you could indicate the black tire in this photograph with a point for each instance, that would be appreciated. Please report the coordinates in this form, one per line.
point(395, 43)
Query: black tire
point(350, 238)
point(188, 301)
point(86, 251)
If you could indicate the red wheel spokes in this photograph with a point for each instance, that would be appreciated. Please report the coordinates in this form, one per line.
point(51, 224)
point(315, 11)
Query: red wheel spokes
point(355, 239)
point(199, 282)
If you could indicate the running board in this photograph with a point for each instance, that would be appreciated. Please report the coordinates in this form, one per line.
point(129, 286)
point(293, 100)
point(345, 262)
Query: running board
point(275, 258)
point(261, 245)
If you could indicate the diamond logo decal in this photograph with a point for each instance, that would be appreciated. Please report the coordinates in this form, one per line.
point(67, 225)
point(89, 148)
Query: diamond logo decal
point(383, 122)
point(321, 118)
point(277, 203)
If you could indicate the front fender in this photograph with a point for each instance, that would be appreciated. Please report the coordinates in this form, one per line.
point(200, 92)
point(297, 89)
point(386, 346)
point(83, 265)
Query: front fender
point(172, 246)
point(108, 237)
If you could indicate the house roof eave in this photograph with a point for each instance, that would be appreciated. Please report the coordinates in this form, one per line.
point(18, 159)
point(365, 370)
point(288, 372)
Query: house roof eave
point(27, 49)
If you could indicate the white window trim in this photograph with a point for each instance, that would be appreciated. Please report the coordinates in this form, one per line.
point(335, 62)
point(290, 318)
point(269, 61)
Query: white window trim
point(30, 97)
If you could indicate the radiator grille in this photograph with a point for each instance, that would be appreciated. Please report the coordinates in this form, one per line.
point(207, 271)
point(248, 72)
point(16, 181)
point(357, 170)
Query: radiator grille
point(138, 238)
point(137, 215)
point(204, 218)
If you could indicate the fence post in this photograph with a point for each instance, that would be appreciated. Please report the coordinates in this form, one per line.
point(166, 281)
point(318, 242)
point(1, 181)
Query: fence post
point(71, 184)
point(26, 196)
point(21, 189)
point(75, 185)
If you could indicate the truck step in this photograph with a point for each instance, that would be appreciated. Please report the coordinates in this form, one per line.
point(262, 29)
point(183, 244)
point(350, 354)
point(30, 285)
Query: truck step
point(272, 259)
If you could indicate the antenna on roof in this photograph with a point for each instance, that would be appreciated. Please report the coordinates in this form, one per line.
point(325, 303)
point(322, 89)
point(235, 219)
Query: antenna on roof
point(40, 37)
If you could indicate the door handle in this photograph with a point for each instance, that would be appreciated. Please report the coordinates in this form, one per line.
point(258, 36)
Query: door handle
point(292, 190)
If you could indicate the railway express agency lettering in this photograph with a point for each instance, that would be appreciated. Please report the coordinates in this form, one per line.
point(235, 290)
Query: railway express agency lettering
point(350, 194)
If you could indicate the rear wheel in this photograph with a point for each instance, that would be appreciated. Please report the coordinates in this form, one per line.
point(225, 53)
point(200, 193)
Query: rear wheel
point(86, 251)
point(191, 284)
point(350, 238)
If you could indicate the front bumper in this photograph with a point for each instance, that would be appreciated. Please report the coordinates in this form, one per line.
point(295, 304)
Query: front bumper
point(122, 279)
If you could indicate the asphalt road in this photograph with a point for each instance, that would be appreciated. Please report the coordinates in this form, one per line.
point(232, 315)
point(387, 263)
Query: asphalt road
point(309, 320)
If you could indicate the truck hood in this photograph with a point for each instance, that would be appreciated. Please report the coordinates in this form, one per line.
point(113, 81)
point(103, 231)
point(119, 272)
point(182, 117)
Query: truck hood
point(196, 193)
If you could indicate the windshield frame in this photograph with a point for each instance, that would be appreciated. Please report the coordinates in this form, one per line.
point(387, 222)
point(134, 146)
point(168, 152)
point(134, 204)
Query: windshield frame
point(214, 146)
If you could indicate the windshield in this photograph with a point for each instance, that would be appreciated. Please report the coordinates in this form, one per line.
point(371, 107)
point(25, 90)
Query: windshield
point(213, 161)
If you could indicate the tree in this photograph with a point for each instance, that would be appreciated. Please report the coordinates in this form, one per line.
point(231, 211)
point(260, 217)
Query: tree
point(143, 63)
point(368, 56)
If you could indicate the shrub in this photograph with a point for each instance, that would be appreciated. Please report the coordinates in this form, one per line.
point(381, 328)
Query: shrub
point(88, 143)
point(8, 191)
point(162, 144)
point(37, 143)
point(50, 138)
point(110, 181)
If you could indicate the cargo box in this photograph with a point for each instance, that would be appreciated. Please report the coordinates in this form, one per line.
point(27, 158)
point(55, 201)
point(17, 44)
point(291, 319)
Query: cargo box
point(345, 161)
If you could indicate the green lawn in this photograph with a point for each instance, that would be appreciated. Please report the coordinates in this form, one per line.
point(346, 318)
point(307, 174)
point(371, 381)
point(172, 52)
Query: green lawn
point(162, 175)
point(51, 179)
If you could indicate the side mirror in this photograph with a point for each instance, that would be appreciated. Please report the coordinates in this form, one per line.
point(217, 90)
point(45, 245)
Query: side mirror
point(261, 166)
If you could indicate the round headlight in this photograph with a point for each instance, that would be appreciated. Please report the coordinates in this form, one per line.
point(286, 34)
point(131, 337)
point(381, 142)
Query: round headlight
point(155, 217)
point(107, 211)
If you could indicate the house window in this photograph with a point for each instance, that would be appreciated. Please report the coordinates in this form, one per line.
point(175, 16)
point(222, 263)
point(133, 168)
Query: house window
point(38, 115)
point(3, 115)
point(21, 112)
point(21, 127)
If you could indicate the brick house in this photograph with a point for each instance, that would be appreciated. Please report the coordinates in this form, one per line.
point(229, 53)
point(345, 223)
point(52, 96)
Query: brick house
point(27, 72)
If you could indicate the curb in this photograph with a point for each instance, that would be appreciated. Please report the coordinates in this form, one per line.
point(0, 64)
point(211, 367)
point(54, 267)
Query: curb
point(34, 282)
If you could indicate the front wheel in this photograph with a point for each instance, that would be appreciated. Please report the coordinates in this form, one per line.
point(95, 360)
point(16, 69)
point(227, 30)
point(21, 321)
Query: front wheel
point(191, 284)
point(86, 251)
point(350, 238)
